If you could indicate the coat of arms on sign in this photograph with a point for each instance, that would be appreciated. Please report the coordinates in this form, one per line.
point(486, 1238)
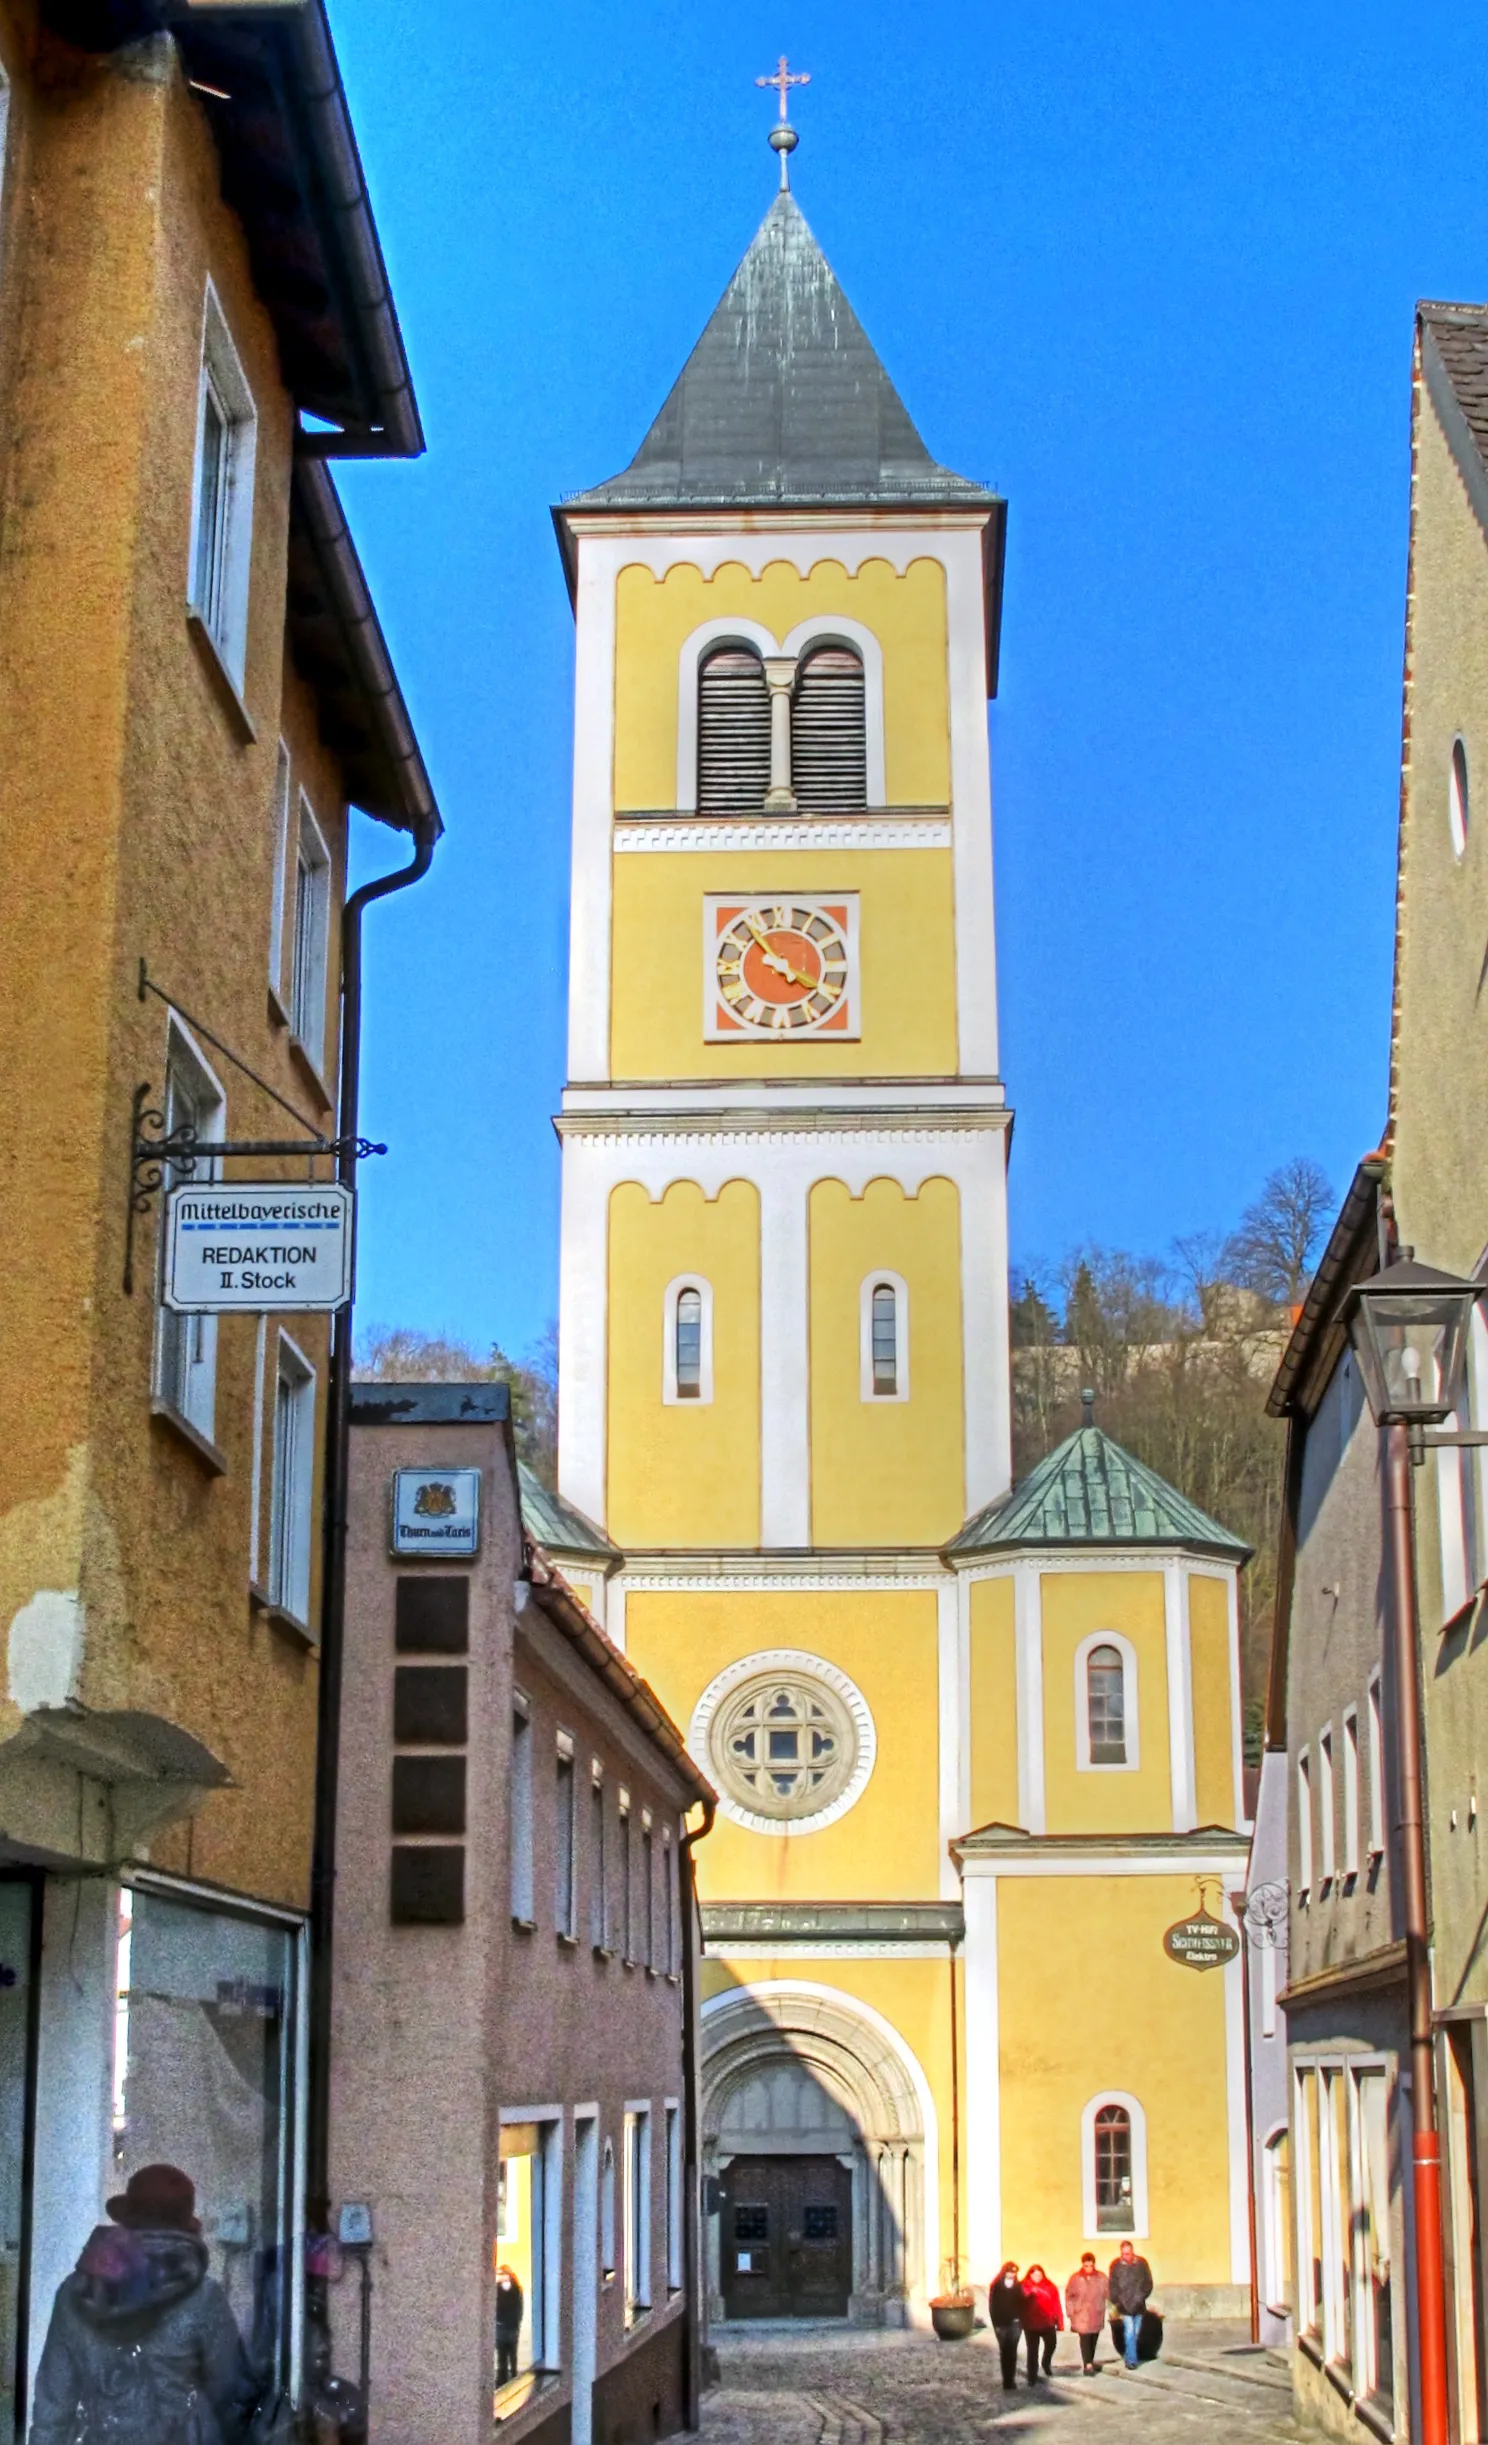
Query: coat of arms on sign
point(435, 1502)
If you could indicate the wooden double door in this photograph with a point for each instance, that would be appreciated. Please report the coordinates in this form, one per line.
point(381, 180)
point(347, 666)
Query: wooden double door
point(785, 2237)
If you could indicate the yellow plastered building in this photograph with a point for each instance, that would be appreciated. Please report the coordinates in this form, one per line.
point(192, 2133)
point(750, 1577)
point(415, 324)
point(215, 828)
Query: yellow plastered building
point(977, 1749)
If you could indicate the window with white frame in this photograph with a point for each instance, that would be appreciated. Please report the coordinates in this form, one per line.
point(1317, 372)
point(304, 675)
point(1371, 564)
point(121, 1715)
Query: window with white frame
point(1276, 2222)
point(279, 851)
point(312, 930)
point(607, 2218)
point(687, 1340)
point(1113, 2164)
point(186, 1346)
point(1462, 1480)
point(883, 1337)
point(648, 1887)
point(599, 1881)
point(1458, 799)
point(222, 503)
point(529, 2241)
point(565, 1840)
point(636, 2153)
point(1351, 1791)
point(521, 1814)
point(1106, 1716)
point(669, 1899)
point(1304, 1825)
point(674, 2195)
point(1326, 1799)
point(292, 1485)
point(1337, 2218)
point(1376, 1768)
point(1374, 2324)
point(1308, 2201)
point(627, 1881)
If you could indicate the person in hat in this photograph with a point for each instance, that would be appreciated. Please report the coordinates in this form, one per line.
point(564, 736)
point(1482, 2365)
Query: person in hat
point(142, 2347)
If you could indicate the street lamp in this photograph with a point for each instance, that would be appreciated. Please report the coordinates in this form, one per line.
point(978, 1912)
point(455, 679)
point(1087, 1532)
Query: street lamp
point(1409, 1325)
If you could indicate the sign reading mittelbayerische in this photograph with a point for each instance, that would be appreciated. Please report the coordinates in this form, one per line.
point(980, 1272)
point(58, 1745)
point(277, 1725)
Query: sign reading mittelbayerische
point(258, 1247)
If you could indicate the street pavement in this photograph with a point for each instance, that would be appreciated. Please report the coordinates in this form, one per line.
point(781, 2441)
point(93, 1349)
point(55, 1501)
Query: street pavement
point(830, 2385)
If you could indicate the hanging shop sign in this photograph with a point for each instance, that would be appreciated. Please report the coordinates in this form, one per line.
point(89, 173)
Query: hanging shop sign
point(258, 1247)
point(436, 1511)
point(1201, 1943)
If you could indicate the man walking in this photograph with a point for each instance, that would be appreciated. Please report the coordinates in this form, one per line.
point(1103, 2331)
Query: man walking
point(1130, 2287)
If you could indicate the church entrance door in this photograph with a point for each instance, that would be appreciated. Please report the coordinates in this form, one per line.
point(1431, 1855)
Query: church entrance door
point(786, 2237)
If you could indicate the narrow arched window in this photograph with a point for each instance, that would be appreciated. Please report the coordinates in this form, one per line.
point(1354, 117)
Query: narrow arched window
point(829, 732)
point(885, 1340)
point(689, 1330)
point(733, 771)
point(1457, 798)
point(1105, 1698)
point(1113, 2170)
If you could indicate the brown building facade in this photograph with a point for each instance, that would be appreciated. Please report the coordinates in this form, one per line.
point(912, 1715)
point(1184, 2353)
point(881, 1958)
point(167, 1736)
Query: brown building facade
point(194, 696)
point(513, 2092)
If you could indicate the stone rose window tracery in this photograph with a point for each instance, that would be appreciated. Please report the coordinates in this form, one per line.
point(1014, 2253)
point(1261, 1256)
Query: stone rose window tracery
point(785, 1745)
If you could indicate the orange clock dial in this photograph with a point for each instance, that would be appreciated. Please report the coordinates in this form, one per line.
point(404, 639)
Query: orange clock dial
point(781, 967)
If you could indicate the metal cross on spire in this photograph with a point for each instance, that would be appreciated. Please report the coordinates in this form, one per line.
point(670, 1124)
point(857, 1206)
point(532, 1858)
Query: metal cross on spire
point(783, 137)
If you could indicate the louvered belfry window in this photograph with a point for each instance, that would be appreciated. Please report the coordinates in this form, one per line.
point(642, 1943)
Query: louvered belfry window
point(733, 733)
point(829, 733)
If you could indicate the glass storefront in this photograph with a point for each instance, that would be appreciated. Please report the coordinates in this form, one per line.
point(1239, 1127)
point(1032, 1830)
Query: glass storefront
point(19, 1903)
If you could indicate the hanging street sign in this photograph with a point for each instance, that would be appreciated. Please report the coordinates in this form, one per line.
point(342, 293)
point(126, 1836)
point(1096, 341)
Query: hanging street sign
point(1201, 1943)
point(258, 1247)
point(436, 1511)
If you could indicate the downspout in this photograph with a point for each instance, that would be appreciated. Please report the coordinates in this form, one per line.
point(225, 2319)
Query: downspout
point(695, 2325)
point(333, 1598)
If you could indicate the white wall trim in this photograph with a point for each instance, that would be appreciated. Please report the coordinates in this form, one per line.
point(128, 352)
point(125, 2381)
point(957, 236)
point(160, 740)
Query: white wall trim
point(1131, 1696)
point(1235, 2103)
point(673, 1292)
point(953, 1718)
point(1028, 1651)
point(983, 2078)
point(590, 890)
point(785, 1367)
point(1137, 2113)
point(1237, 1715)
point(883, 1277)
point(769, 1579)
point(635, 835)
point(1180, 1697)
point(1184, 1864)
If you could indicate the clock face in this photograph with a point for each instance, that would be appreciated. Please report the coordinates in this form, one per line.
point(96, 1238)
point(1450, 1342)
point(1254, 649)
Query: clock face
point(780, 968)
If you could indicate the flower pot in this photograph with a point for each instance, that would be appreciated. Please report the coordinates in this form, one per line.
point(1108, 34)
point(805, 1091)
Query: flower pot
point(953, 2320)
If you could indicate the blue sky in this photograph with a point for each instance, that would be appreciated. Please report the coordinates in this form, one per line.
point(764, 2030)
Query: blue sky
point(1150, 271)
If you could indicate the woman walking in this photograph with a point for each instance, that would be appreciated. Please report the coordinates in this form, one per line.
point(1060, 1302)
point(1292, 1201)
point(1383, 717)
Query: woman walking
point(1005, 2309)
point(1085, 2298)
point(1042, 2319)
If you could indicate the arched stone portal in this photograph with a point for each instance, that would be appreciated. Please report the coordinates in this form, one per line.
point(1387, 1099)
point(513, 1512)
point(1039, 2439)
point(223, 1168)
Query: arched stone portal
point(799, 2070)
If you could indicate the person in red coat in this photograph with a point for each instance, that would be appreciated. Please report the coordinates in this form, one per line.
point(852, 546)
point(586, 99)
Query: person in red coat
point(1043, 2317)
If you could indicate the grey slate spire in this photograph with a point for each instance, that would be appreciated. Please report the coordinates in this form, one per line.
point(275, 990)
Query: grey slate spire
point(783, 400)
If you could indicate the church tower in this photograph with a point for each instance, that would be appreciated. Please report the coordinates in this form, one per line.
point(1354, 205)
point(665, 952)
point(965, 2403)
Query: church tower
point(784, 1382)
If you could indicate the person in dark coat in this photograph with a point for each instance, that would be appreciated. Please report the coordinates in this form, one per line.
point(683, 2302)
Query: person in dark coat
point(142, 2348)
point(1042, 2319)
point(509, 2306)
point(1085, 2298)
point(1005, 2309)
point(1130, 2286)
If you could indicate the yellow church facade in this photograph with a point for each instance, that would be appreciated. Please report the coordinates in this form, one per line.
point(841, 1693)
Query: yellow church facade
point(977, 1748)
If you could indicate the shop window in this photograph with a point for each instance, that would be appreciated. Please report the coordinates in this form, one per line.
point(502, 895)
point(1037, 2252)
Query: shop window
point(526, 2258)
point(204, 2081)
point(291, 1502)
point(222, 511)
point(1113, 2151)
point(733, 741)
point(312, 931)
point(637, 2159)
point(186, 1346)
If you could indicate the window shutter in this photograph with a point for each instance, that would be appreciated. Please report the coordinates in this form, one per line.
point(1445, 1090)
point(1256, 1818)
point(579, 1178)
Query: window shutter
point(733, 733)
point(829, 733)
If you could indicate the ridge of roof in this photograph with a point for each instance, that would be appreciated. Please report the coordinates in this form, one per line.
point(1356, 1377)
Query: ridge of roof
point(783, 401)
point(1088, 1491)
point(559, 1525)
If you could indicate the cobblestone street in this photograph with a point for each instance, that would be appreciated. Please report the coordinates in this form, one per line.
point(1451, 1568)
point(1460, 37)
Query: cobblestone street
point(822, 2385)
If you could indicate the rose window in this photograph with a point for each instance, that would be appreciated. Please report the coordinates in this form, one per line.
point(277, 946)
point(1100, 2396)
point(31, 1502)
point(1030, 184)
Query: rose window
point(784, 1746)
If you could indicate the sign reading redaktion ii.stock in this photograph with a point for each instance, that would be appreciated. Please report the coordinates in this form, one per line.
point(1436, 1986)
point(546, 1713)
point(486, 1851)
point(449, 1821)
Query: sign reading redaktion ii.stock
point(261, 1248)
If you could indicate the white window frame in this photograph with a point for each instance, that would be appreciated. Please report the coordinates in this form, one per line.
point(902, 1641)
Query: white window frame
point(189, 1392)
point(283, 800)
point(1273, 2220)
point(1304, 1824)
point(520, 1816)
point(1350, 1792)
point(565, 1904)
point(636, 2165)
point(648, 1888)
point(1129, 1695)
point(309, 984)
point(1376, 1768)
point(1327, 1804)
point(883, 1278)
point(1459, 796)
point(1138, 2122)
point(599, 1881)
point(220, 598)
point(292, 1483)
point(1362, 2068)
point(1306, 2201)
point(671, 1397)
point(674, 2195)
point(822, 629)
point(607, 2254)
point(546, 2311)
point(627, 1881)
point(670, 1883)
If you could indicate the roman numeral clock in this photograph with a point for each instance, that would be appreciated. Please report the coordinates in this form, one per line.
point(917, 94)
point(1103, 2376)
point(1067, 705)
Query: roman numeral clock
point(780, 968)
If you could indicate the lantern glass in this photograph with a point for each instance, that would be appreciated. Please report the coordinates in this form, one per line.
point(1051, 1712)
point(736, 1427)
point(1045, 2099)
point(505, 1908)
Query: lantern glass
point(1409, 1329)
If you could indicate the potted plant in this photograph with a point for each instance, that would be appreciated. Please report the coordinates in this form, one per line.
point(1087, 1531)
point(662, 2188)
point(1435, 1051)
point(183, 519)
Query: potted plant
point(953, 2307)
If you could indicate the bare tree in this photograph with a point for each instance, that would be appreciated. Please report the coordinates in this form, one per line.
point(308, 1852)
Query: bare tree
point(1273, 1248)
point(400, 1354)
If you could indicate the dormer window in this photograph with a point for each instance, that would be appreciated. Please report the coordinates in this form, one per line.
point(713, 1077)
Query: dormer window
point(829, 732)
point(733, 762)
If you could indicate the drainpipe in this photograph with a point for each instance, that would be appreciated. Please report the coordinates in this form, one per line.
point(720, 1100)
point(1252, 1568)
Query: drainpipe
point(695, 2326)
point(333, 1598)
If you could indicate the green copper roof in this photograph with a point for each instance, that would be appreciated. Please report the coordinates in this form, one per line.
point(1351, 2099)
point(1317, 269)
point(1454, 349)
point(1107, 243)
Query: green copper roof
point(555, 1524)
point(1091, 1492)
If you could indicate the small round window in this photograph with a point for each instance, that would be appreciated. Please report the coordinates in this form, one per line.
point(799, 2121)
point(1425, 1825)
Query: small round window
point(1457, 801)
point(788, 1740)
